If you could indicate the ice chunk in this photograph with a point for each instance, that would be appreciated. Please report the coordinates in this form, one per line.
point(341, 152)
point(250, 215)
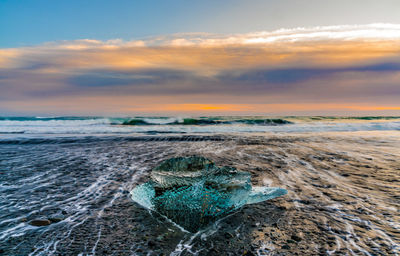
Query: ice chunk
point(192, 191)
point(144, 195)
point(181, 171)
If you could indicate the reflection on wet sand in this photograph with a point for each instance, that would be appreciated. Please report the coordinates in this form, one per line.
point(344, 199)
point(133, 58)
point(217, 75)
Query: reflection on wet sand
point(343, 195)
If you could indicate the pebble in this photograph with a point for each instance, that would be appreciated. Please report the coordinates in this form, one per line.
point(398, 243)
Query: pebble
point(40, 222)
point(296, 238)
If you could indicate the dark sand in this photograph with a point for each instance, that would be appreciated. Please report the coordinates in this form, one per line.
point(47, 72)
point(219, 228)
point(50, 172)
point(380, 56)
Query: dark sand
point(344, 196)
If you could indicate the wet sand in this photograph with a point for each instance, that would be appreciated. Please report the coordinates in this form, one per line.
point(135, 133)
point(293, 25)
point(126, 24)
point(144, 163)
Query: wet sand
point(344, 195)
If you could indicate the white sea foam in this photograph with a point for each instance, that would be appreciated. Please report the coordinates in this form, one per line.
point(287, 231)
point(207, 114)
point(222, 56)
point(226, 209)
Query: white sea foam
point(163, 125)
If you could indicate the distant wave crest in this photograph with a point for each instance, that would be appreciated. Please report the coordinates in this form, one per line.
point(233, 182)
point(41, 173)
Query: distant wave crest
point(207, 121)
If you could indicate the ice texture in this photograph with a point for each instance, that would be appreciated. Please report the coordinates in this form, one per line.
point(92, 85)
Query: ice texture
point(193, 191)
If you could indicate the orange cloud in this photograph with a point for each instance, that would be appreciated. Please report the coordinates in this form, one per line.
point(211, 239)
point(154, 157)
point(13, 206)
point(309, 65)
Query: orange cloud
point(146, 105)
point(327, 46)
point(206, 107)
point(373, 108)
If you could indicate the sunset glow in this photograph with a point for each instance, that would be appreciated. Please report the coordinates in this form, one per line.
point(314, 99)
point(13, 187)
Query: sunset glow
point(349, 69)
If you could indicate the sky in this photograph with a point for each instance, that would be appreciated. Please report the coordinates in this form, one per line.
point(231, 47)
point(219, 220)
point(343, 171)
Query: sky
point(200, 57)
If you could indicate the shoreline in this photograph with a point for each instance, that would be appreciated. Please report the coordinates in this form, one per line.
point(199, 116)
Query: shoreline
point(343, 189)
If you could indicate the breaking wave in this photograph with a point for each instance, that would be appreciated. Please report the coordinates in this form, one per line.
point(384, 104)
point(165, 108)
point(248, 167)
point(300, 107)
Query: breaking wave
point(23, 126)
point(205, 121)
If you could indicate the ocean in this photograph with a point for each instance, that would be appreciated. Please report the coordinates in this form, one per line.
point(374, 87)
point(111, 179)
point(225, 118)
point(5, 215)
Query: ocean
point(203, 125)
point(342, 175)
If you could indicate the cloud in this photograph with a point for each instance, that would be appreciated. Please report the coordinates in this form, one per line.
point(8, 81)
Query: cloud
point(298, 74)
point(97, 78)
point(359, 63)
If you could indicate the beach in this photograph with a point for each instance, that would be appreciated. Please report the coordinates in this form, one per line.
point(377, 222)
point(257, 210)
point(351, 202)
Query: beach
point(342, 177)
